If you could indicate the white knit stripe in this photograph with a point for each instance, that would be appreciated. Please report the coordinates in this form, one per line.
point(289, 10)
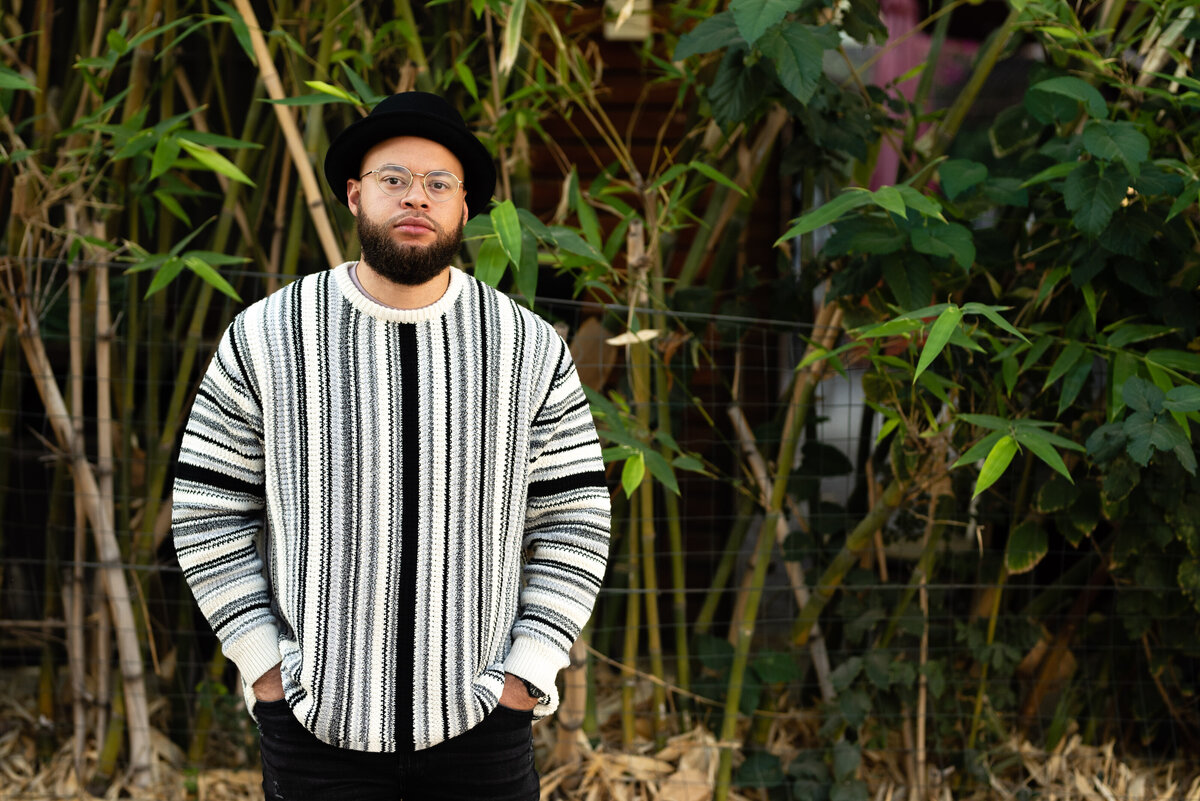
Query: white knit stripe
point(500, 412)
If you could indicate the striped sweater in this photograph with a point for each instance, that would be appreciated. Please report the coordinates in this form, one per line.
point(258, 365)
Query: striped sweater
point(397, 505)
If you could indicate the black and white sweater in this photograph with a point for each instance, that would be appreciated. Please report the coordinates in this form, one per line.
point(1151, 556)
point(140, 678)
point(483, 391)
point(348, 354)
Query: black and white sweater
point(398, 505)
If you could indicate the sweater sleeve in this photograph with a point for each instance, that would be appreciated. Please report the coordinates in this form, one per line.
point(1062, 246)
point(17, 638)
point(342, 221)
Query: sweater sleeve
point(566, 532)
point(217, 510)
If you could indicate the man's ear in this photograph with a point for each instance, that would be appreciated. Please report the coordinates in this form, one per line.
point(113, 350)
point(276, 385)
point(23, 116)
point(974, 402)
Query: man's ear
point(353, 189)
point(466, 210)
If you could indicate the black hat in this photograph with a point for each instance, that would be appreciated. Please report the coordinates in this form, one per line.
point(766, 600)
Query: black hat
point(413, 114)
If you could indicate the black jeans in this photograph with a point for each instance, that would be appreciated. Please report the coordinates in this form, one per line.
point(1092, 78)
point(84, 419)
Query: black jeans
point(492, 762)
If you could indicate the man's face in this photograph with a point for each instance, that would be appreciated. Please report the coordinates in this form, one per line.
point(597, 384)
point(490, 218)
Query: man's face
point(407, 238)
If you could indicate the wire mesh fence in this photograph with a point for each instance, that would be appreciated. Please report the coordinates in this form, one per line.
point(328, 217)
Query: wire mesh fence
point(932, 671)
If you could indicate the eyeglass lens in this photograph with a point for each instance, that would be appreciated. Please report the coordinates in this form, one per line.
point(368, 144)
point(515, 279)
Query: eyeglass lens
point(439, 185)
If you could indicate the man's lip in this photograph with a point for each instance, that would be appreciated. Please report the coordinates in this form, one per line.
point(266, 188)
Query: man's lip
point(413, 221)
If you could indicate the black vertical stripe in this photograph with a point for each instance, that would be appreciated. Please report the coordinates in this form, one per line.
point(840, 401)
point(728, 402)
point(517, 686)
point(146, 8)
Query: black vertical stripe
point(484, 602)
point(450, 535)
point(324, 568)
point(410, 504)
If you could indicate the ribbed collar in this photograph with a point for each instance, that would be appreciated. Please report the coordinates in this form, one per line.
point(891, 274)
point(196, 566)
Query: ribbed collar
point(373, 308)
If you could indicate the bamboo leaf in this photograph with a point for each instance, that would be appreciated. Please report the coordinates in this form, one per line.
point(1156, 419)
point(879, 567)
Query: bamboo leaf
point(491, 261)
point(10, 79)
point(991, 313)
point(1040, 443)
point(1073, 352)
point(828, 213)
point(165, 153)
point(169, 203)
point(214, 161)
point(507, 225)
point(996, 463)
point(333, 91)
point(712, 173)
point(1060, 170)
point(171, 268)
point(661, 470)
point(632, 473)
point(511, 44)
point(939, 334)
point(890, 199)
point(210, 276)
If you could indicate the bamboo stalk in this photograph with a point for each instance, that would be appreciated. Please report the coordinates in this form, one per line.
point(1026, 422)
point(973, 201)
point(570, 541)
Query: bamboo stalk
point(729, 555)
point(109, 552)
point(633, 609)
point(308, 180)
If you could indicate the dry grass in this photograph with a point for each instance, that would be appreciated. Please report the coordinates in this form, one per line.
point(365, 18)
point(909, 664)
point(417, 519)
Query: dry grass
point(683, 770)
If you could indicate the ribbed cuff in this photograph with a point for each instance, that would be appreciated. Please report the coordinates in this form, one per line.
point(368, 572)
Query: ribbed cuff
point(255, 652)
point(533, 661)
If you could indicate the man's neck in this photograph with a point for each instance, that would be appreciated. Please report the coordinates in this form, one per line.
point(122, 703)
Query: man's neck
point(402, 296)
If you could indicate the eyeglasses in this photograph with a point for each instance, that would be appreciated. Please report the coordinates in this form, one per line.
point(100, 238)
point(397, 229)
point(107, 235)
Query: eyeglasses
point(396, 180)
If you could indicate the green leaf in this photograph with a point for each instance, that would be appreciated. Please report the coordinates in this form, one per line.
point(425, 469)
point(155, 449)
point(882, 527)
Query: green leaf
point(171, 268)
point(1183, 399)
point(1053, 172)
point(996, 463)
point(661, 470)
point(1094, 196)
point(827, 213)
point(632, 473)
point(1028, 544)
point(1056, 495)
point(1041, 443)
point(214, 161)
point(1186, 198)
point(992, 314)
point(927, 206)
point(1006, 192)
point(508, 227)
point(491, 261)
point(1117, 141)
point(1073, 352)
point(948, 239)
point(754, 17)
point(845, 674)
point(10, 79)
point(939, 334)
point(240, 31)
point(336, 92)
point(797, 52)
point(1142, 396)
point(959, 175)
point(775, 667)
point(1073, 384)
point(1126, 334)
point(211, 276)
point(165, 153)
point(889, 198)
point(713, 174)
point(737, 88)
point(117, 42)
point(315, 99)
point(527, 268)
point(846, 759)
point(169, 203)
point(1076, 89)
point(711, 34)
point(1178, 360)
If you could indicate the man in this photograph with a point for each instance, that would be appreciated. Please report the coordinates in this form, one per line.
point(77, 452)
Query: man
point(390, 501)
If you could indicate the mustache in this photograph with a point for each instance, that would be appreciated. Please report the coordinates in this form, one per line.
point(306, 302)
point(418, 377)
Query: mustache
point(414, 215)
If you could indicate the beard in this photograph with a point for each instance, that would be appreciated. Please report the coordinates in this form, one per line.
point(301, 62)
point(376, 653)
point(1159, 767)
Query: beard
point(404, 264)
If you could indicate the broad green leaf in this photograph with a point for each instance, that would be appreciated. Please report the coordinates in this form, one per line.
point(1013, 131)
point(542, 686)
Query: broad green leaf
point(491, 261)
point(1094, 196)
point(572, 242)
point(526, 271)
point(531, 223)
point(211, 276)
point(754, 17)
point(1077, 89)
point(1073, 383)
point(797, 52)
point(632, 473)
point(939, 334)
point(713, 174)
point(1117, 141)
point(979, 450)
point(711, 34)
point(827, 213)
point(1183, 399)
point(467, 79)
point(737, 89)
point(508, 227)
point(1028, 544)
point(890, 199)
point(996, 463)
point(1142, 396)
point(948, 239)
point(959, 175)
point(1186, 198)
point(117, 42)
point(922, 203)
point(1122, 366)
point(214, 161)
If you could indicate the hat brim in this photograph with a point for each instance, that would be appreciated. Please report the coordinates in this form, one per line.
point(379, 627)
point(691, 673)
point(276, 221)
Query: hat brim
point(344, 157)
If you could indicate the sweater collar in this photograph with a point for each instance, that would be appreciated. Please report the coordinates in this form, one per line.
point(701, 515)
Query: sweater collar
point(373, 308)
